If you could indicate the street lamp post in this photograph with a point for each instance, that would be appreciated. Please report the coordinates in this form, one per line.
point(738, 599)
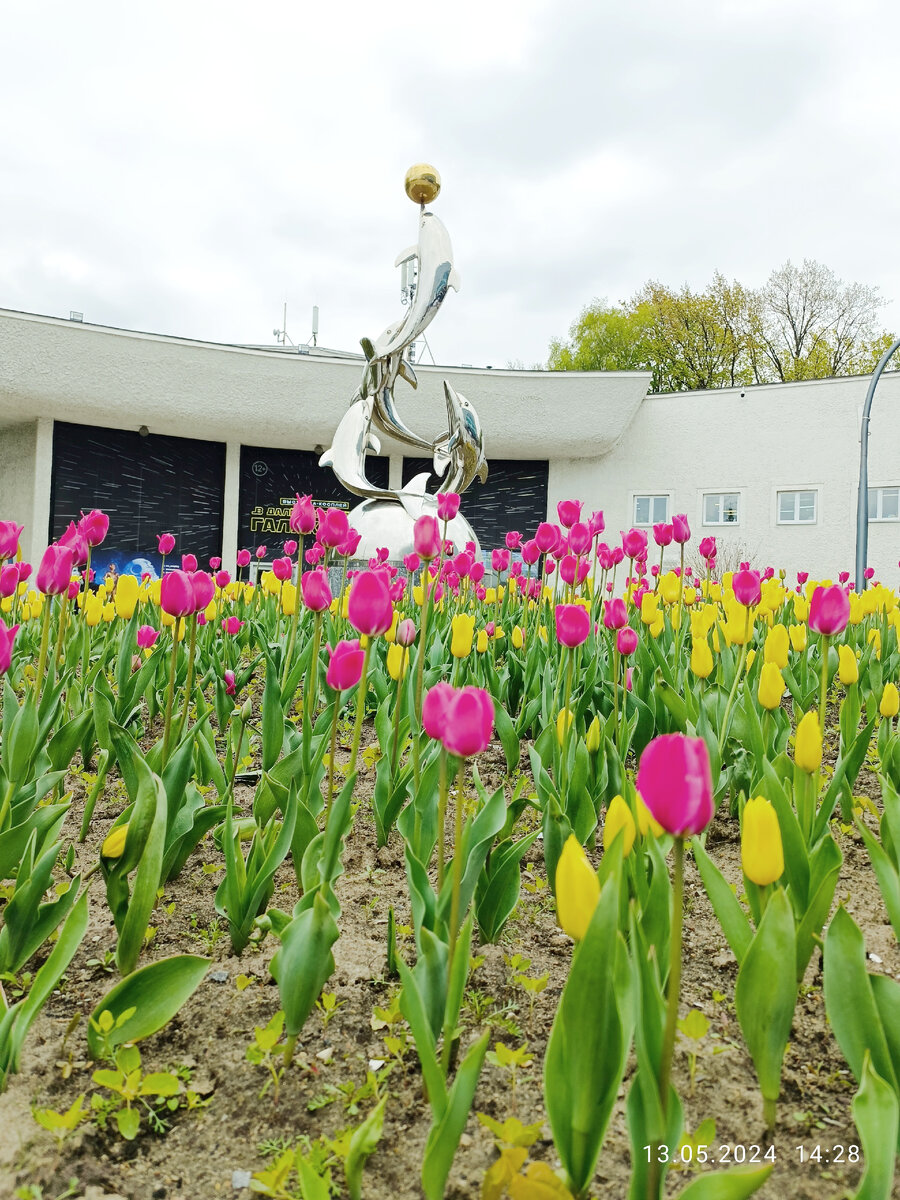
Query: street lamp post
point(862, 502)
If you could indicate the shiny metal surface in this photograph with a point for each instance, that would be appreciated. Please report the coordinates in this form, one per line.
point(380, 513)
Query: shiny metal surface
point(386, 517)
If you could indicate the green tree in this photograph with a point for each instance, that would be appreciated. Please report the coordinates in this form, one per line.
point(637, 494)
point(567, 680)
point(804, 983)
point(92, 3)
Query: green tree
point(606, 338)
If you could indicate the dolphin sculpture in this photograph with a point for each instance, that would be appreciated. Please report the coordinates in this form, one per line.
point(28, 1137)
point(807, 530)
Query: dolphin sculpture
point(459, 456)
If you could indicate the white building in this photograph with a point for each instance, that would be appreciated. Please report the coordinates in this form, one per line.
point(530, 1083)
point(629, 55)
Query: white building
point(210, 442)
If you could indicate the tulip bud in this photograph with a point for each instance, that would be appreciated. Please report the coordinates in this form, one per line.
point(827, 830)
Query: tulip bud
point(701, 658)
point(577, 889)
point(448, 505)
point(829, 610)
point(564, 722)
point(463, 631)
point(618, 819)
point(798, 637)
point(7, 637)
point(397, 660)
point(675, 780)
point(848, 667)
point(114, 844)
point(808, 743)
point(771, 686)
point(593, 736)
point(762, 853)
point(890, 701)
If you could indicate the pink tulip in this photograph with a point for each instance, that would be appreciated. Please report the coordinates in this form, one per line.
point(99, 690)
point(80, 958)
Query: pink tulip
point(55, 570)
point(74, 588)
point(580, 538)
point(314, 554)
point(513, 539)
point(232, 626)
point(93, 526)
point(829, 610)
point(9, 580)
point(530, 552)
point(303, 515)
point(615, 615)
point(222, 579)
point(462, 564)
point(412, 562)
point(515, 570)
point(843, 577)
point(290, 547)
point(468, 722)
point(398, 587)
point(166, 543)
point(215, 563)
point(406, 632)
point(369, 607)
point(189, 562)
point(176, 594)
point(434, 708)
point(626, 640)
point(629, 676)
point(573, 624)
point(316, 590)
point(146, 636)
point(448, 505)
point(569, 511)
point(204, 589)
point(746, 587)
point(350, 544)
point(681, 529)
point(663, 533)
point(707, 548)
point(76, 541)
point(334, 529)
point(546, 537)
point(427, 537)
point(616, 555)
point(345, 664)
point(476, 572)
point(228, 676)
point(675, 782)
point(480, 593)
point(10, 533)
point(261, 551)
point(634, 542)
point(243, 558)
point(7, 637)
point(869, 573)
point(25, 571)
point(282, 568)
point(499, 561)
point(596, 523)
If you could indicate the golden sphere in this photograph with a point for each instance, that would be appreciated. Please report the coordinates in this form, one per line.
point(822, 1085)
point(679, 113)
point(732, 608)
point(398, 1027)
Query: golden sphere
point(422, 183)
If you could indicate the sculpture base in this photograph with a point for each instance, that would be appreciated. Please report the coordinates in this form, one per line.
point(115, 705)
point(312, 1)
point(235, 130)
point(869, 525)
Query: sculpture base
point(388, 523)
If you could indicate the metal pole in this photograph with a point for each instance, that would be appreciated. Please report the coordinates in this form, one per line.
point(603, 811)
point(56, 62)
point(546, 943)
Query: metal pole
point(862, 502)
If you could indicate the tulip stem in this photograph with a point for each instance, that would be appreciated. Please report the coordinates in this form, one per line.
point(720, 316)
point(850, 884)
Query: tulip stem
point(823, 684)
point(42, 653)
point(563, 775)
point(616, 696)
point(450, 1020)
point(442, 820)
point(331, 753)
point(61, 629)
point(420, 675)
point(189, 682)
point(672, 996)
point(309, 691)
point(292, 638)
point(360, 706)
point(170, 691)
point(723, 732)
point(395, 743)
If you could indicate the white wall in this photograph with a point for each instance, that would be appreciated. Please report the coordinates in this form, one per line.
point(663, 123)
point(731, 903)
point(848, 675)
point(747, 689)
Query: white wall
point(789, 436)
point(26, 455)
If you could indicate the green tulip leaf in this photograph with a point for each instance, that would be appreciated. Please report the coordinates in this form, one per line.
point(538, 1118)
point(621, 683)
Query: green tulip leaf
point(735, 1184)
point(876, 1111)
point(154, 994)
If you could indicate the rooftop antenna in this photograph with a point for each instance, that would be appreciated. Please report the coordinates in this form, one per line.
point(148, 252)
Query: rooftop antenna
point(281, 335)
point(315, 326)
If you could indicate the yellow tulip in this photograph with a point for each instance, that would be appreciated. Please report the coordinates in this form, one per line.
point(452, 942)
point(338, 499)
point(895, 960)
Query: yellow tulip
point(481, 643)
point(808, 743)
point(490, 595)
point(801, 607)
point(647, 823)
point(660, 623)
point(518, 637)
point(701, 658)
point(751, 659)
point(649, 608)
point(669, 588)
point(542, 633)
point(126, 596)
point(392, 632)
point(109, 612)
point(563, 722)
point(619, 818)
point(848, 668)
point(776, 647)
point(798, 637)
point(762, 854)
point(419, 595)
point(690, 596)
point(874, 635)
point(115, 842)
point(212, 609)
point(288, 599)
point(593, 736)
point(771, 685)
point(857, 612)
point(396, 661)
point(577, 889)
point(93, 610)
point(890, 701)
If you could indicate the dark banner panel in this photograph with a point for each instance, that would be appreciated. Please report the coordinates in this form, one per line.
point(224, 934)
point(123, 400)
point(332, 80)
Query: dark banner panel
point(147, 486)
point(514, 497)
point(270, 481)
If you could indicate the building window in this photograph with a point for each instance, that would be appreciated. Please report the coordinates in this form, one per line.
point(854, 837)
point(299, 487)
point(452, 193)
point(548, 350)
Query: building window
point(884, 504)
point(796, 508)
point(721, 508)
point(651, 510)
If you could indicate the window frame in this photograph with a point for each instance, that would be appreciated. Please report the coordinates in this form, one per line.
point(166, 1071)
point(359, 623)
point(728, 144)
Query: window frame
point(881, 488)
point(635, 496)
point(721, 494)
point(796, 492)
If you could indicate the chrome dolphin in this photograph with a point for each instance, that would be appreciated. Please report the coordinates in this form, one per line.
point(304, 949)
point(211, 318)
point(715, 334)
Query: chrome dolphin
point(353, 440)
point(459, 456)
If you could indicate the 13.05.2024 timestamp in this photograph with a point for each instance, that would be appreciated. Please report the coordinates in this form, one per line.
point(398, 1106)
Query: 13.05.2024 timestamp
point(725, 1154)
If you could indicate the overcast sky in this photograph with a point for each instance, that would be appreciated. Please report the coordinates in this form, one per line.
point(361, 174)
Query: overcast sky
point(187, 168)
